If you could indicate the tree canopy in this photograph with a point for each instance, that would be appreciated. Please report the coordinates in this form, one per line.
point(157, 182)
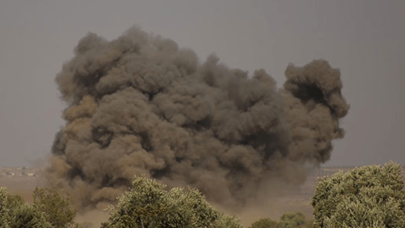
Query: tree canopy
point(369, 196)
point(287, 220)
point(15, 213)
point(148, 205)
point(55, 207)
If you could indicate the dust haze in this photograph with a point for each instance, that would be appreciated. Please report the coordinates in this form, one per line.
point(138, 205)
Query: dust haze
point(140, 104)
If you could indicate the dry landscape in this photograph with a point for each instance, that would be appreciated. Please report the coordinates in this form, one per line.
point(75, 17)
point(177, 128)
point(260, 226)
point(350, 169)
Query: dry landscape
point(23, 180)
point(20, 180)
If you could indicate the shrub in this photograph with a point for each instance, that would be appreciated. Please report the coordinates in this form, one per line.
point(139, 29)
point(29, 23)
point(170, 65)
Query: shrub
point(148, 205)
point(4, 211)
point(291, 220)
point(288, 220)
point(55, 207)
point(14, 213)
point(264, 223)
point(370, 196)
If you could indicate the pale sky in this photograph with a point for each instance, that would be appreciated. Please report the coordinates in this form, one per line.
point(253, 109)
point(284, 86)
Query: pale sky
point(364, 38)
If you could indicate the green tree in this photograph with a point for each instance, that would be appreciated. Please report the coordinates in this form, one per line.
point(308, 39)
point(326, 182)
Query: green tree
point(4, 211)
point(264, 223)
point(15, 213)
point(148, 205)
point(291, 220)
point(370, 196)
point(55, 207)
point(287, 220)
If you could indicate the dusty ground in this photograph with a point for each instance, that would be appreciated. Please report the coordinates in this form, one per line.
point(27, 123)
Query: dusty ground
point(22, 186)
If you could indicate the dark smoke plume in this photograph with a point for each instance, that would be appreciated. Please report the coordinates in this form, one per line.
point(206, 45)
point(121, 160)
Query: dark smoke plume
point(142, 105)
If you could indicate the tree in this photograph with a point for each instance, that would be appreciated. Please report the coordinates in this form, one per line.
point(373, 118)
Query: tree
point(15, 213)
point(287, 220)
point(4, 211)
point(148, 205)
point(370, 196)
point(264, 223)
point(291, 220)
point(55, 207)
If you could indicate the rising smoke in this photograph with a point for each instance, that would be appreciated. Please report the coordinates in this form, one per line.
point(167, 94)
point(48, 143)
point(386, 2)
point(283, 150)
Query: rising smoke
point(142, 105)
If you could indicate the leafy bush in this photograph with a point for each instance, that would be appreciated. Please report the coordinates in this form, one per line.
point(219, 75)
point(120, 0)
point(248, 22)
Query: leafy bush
point(370, 196)
point(55, 207)
point(288, 220)
point(148, 205)
point(291, 220)
point(264, 223)
point(4, 211)
point(14, 213)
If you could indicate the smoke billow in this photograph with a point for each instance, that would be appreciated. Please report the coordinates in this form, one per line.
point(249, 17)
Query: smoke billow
point(142, 105)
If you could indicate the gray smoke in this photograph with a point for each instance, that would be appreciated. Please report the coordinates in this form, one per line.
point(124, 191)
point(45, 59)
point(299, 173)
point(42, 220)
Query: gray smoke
point(142, 105)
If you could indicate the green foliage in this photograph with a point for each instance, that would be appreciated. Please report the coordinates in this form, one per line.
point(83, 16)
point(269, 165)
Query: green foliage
point(370, 196)
point(292, 220)
point(55, 207)
point(264, 223)
point(288, 220)
point(148, 205)
point(14, 200)
point(14, 213)
point(4, 211)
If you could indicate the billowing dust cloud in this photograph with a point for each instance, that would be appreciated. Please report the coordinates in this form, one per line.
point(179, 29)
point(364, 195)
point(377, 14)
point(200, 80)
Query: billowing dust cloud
point(142, 105)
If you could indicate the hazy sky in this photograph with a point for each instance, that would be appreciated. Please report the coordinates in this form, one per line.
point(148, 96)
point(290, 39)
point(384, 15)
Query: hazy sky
point(364, 38)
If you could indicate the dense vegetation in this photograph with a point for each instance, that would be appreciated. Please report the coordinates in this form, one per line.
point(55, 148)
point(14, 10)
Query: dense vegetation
point(370, 196)
point(288, 220)
point(149, 205)
point(50, 209)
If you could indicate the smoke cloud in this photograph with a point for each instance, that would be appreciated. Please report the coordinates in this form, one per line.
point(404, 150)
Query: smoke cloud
point(142, 105)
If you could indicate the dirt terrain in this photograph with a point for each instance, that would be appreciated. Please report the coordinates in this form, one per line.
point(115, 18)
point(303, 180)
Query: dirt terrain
point(20, 180)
